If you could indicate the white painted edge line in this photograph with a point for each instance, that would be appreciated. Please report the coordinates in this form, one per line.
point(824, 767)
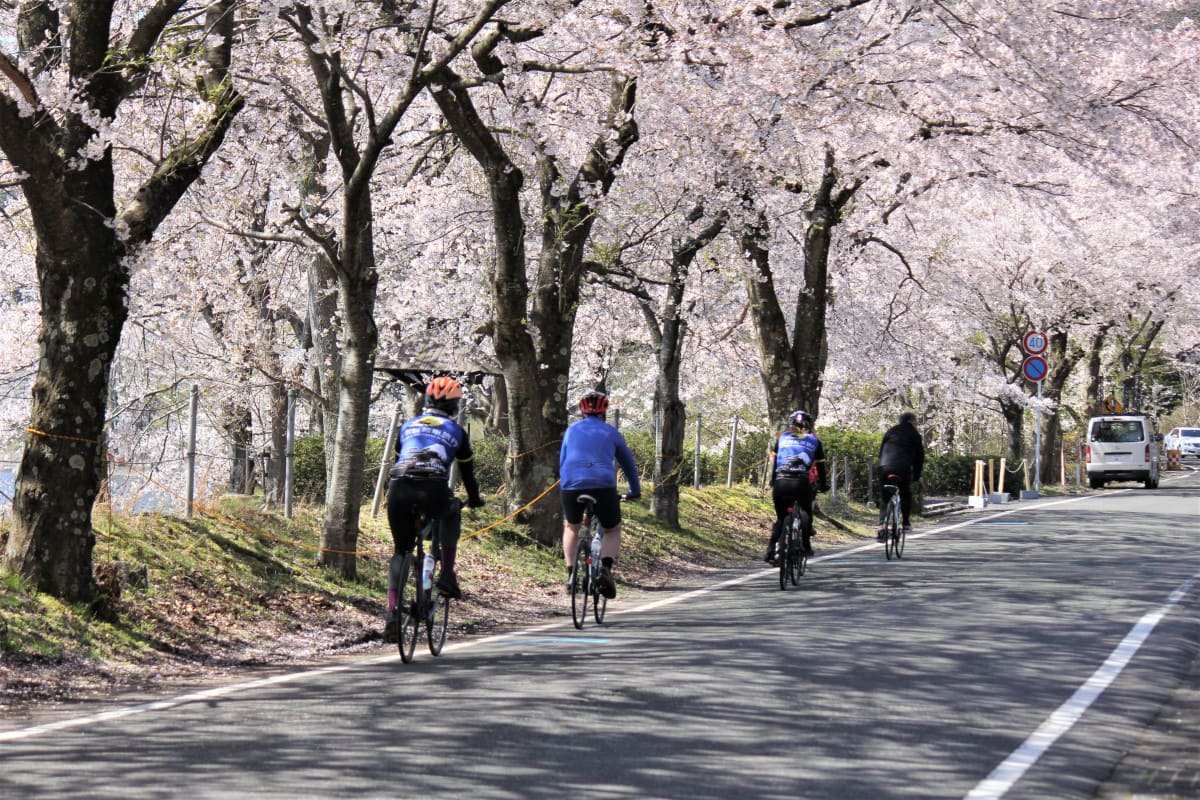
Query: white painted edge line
point(1003, 777)
point(291, 677)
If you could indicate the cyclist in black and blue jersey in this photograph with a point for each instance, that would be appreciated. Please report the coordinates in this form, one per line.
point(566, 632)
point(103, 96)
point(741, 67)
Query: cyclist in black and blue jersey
point(425, 448)
point(798, 469)
point(585, 466)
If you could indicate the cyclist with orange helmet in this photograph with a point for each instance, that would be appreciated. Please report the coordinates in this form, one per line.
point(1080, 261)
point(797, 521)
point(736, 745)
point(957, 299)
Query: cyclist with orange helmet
point(425, 448)
point(585, 466)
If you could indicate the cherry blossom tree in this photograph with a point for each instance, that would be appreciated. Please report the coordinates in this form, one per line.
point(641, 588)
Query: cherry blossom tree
point(72, 90)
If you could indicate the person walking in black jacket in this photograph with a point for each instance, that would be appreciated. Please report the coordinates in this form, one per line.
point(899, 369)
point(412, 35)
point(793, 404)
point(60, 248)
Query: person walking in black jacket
point(901, 460)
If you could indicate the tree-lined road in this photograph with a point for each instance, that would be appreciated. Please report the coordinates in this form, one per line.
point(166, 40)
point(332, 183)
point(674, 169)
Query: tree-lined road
point(874, 679)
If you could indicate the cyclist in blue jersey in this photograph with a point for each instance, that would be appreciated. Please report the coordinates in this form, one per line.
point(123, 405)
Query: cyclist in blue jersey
point(425, 448)
point(585, 466)
point(798, 464)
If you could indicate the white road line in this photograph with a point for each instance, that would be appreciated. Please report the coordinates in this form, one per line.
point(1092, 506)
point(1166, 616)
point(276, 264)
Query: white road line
point(1002, 778)
point(291, 677)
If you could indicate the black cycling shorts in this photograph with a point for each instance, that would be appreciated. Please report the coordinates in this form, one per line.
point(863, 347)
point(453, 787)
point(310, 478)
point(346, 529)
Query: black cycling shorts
point(608, 506)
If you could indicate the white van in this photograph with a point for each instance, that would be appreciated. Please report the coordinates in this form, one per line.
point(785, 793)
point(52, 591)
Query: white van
point(1122, 448)
point(1185, 440)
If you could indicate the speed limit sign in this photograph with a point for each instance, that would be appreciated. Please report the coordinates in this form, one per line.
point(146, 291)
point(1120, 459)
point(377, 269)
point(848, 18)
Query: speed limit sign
point(1035, 343)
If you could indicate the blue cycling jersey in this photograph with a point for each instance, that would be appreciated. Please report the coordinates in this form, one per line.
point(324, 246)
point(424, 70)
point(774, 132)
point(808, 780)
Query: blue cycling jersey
point(589, 448)
point(795, 454)
point(427, 445)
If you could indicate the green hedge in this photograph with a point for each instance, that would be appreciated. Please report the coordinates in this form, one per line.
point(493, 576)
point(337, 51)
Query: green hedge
point(944, 474)
point(948, 474)
point(490, 451)
point(310, 468)
point(712, 465)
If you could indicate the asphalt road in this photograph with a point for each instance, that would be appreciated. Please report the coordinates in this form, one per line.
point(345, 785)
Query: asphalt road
point(873, 680)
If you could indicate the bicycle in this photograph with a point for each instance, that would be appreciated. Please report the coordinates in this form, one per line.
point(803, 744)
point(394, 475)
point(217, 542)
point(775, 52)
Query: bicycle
point(792, 558)
point(893, 531)
point(417, 599)
point(586, 570)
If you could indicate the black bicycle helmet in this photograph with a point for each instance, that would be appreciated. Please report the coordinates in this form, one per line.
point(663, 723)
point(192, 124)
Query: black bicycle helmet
point(801, 419)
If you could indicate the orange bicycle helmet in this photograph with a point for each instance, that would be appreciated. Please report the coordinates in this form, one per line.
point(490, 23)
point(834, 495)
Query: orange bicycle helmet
point(593, 402)
point(444, 388)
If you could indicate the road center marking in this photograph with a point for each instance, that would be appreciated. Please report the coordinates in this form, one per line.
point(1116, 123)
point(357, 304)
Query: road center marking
point(1002, 778)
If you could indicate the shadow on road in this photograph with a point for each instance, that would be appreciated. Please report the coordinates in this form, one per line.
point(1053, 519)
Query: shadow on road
point(873, 679)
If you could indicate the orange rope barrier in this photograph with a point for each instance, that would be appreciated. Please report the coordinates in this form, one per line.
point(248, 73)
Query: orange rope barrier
point(36, 432)
point(475, 534)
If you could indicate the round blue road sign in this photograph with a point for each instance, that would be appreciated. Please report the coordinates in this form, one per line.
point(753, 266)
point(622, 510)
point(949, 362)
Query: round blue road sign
point(1035, 368)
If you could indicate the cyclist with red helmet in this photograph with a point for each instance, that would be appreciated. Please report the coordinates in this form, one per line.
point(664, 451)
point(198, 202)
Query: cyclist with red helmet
point(425, 448)
point(585, 466)
point(798, 463)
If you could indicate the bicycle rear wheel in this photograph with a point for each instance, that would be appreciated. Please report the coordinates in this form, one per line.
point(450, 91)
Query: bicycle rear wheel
point(438, 620)
point(898, 542)
point(408, 609)
point(798, 556)
point(579, 585)
point(784, 550)
point(893, 520)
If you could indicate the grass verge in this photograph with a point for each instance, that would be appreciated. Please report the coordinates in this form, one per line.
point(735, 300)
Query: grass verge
point(238, 585)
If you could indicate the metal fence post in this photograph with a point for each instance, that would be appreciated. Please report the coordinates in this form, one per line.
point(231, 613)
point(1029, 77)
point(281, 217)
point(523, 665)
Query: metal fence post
point(833, 479)
point(696, 462)
point(385, 460)
point(191, 451)
point(289, 455)
point(732, 453)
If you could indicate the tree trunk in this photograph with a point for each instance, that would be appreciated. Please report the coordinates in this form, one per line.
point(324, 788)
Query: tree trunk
point(793, 370)
point(498, 419)
point(323, 315)
point(672, 430)
point(668, 335)
point(83, 290)
point(1095, 361)
point(360, 337)
point(1014, 417)
point(533, 340)
point(776, 368)
point(237, 422)
point(82, 253)
point(1062, 364)
point(278, 428)
point(810, 341)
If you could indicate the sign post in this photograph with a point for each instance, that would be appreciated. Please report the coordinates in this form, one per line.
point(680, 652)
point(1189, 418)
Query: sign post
point(1035, 368)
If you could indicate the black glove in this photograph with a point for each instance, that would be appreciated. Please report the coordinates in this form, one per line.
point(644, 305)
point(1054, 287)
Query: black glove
point(475, 502)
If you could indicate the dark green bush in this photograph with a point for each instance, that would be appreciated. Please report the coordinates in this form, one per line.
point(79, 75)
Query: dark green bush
point(490, 451)
point(309, 468)
point(712, 465)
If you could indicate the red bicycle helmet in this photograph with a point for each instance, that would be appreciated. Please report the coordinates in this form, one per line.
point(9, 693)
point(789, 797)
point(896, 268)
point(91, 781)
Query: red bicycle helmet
point(444, 388)
point(593, 403)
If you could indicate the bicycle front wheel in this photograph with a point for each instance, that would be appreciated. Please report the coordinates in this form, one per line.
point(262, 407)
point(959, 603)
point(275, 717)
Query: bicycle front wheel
point(408, 610)
point(898, 547)
point(579, 586)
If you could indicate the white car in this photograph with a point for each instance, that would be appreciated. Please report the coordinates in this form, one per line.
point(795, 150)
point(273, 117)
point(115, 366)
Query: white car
point(1122, 448)
point(1185, 440)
